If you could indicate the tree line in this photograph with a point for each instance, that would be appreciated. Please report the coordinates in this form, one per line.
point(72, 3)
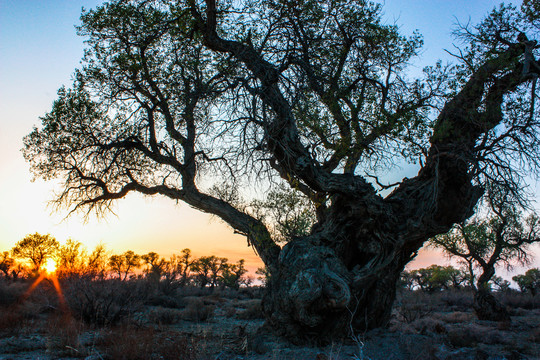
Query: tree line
point(29, 256)
point(436, 278)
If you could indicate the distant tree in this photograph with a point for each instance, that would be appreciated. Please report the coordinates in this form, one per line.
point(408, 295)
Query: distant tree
point(97, 261)
point(209, 270)
point(264, 275)
point(71, 258)
point(124, 264)
point(155, 266)
point(435, 277)
point(6, 263)
point(172, 275)
point(500, 237)
point(529, 282)
point(175, 95)
point(232, 274)
point(36, 248)
point(500, 284)
point(185, 263)
point(406, 280)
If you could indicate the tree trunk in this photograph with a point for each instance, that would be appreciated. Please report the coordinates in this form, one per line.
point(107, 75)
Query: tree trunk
point(486, 306)
point(315, 297)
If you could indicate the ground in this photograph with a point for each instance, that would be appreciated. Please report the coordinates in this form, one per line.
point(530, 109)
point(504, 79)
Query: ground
point(225, 324)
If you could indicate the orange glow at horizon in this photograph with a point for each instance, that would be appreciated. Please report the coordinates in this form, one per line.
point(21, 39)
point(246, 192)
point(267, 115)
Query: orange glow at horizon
point(50, 266)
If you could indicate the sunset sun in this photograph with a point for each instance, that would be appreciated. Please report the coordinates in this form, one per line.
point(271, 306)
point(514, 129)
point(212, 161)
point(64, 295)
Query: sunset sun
point(50, 266)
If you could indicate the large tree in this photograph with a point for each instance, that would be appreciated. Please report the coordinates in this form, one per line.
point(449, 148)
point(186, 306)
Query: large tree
point(176, 95)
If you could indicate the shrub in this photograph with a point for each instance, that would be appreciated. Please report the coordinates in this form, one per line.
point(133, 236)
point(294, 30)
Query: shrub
point(253, 310)
point(128, 343)
point(10, 292)
point(162, 316)
point(197, 310)
point(103, 302)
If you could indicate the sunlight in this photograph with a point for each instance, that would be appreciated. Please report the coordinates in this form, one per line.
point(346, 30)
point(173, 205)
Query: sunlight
point(50, 266)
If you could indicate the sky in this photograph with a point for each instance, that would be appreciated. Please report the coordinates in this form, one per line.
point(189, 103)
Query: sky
point(39, 51)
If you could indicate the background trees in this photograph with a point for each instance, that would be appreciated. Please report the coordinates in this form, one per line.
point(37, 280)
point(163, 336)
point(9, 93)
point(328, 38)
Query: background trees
point(500, 237)
point(529, 282)
point(315, 95)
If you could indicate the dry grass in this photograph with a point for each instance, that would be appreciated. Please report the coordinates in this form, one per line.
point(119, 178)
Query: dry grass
point(196, 310)
point(129, 343)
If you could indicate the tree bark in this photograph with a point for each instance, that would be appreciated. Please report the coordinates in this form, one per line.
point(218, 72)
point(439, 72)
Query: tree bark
point(487, 307)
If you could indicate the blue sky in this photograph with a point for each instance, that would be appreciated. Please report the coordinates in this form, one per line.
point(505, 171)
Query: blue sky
point(39, 50)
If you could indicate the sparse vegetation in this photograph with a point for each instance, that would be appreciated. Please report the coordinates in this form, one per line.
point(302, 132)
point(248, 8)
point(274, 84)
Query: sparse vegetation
point(160, 311)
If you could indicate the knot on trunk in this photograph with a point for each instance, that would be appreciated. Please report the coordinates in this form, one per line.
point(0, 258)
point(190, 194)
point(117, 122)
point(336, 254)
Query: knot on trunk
point(319, 283)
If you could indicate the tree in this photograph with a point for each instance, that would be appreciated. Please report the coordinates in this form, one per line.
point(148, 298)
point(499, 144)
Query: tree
point(435, 278)
point(499, 237)
point(6, 263)
point(124, 264)
point(529, 282)
point(209, 270)
point(37, 249)
point(96, 263)
point(176, 95)
point(72, 258)
point(232, 274)
point(156, 266)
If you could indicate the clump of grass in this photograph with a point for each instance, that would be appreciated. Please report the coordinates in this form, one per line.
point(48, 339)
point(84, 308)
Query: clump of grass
point(163, 316)
point(64, 336)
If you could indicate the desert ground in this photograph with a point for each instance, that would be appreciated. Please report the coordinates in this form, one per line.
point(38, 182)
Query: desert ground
point(112, 319)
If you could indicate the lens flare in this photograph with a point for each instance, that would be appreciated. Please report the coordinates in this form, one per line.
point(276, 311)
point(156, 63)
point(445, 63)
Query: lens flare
point(50, 266)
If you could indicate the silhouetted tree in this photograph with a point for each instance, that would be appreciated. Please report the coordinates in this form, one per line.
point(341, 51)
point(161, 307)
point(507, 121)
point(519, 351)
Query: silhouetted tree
point(36, 248)
point(97, 261)
point(124, 264)
point(6, 263)
point(499, 238)
point(72, 258)
point(175, 95)
point(232, 274)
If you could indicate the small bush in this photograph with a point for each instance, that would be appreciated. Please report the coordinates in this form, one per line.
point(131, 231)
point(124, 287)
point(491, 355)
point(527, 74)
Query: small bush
point(127, 343)
point(253, 310)
point(63, 336)
point(456, 317)
point(163, 316)
point(515, 300)
point(104, 302)
point(197, 310)
point(11, 292)
point(429, 325)
point(166, 301)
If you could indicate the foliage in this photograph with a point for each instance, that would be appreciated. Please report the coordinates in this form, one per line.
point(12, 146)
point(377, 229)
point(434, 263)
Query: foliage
point(6, 263)
point(124, 264)
point(529, 282)
point(71, 258)
point(433, 278)
point(37, 249)
point(502, 236)
point(103, 302)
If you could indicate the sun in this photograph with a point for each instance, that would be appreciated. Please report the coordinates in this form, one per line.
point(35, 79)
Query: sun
point(50, 266)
